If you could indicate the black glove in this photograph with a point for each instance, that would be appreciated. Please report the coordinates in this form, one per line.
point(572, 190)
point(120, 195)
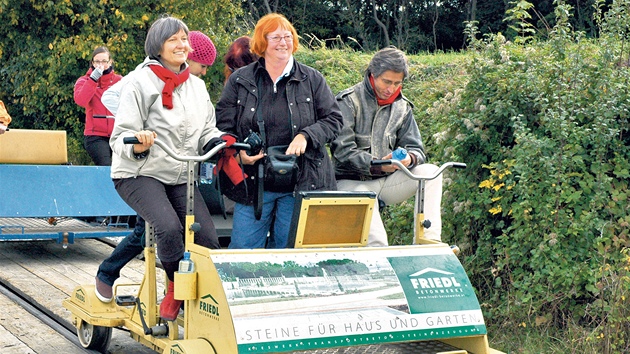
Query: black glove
point(225, 138)
point(96, 74)
point(211, 144)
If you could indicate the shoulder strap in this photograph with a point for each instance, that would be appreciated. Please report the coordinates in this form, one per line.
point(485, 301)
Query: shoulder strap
point(259, 117)
point(260, 167)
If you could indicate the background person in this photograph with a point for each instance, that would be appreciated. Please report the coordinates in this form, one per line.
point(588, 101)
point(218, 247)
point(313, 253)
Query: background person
point(238, 55)
point(5, 118)
point(202, 55)
point(87, 93)
point(162, 100)
point(298, 109)
point(378, 118)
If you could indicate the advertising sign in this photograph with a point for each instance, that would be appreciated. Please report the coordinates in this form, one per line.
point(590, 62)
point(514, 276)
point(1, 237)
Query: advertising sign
point(310, 300)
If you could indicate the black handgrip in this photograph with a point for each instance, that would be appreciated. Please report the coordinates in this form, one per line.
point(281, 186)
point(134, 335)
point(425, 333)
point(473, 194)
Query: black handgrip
point(459, 165)
point(131, 140)
point(380, 162)
point(240, 146)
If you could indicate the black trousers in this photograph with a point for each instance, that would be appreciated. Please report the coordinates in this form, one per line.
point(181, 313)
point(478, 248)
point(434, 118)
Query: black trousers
point(163, 206)
point(99, 150)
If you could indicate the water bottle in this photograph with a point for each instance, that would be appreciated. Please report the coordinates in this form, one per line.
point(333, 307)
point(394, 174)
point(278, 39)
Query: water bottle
point(399, 154)
point(205, 172)
point(186, 265)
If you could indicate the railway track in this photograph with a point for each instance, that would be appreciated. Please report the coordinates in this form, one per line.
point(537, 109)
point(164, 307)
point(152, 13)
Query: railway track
point(58, 324)
point(122, 343)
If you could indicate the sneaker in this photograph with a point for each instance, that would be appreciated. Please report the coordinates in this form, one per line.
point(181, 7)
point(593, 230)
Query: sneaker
point(103, 291)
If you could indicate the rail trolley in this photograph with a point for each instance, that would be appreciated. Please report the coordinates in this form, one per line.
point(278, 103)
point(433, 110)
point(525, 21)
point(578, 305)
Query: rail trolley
point(328, 291)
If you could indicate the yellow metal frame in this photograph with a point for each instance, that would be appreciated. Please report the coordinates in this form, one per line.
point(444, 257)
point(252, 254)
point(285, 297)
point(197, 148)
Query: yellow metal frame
point(339, 221)
point(207, 322)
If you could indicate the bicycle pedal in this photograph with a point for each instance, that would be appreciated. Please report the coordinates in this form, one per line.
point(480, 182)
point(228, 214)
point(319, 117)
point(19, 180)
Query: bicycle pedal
point(125, 300)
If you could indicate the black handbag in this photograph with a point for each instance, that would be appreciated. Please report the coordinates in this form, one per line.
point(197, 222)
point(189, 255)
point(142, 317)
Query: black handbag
point(281, 170)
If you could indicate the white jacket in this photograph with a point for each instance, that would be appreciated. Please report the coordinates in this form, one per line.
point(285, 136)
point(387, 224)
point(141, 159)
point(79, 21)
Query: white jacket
point(186, 128)
point(111, 97)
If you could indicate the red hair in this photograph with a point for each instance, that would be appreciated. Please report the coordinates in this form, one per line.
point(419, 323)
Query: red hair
point(268, 24)
point(238, 55)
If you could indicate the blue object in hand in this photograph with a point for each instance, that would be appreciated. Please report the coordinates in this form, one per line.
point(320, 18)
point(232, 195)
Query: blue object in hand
point(399, 154)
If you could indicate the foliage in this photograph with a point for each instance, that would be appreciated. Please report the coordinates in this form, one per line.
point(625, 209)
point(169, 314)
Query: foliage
point(519, 15)
point(47, 45)
point(541, 212)
point(420, 25)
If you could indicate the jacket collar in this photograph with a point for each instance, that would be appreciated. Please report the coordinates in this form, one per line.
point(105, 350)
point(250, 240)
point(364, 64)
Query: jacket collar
point(369, 91)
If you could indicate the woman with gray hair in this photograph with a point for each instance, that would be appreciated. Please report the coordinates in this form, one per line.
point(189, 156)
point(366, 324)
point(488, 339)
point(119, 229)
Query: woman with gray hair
point(378, 119)
point(161, 99)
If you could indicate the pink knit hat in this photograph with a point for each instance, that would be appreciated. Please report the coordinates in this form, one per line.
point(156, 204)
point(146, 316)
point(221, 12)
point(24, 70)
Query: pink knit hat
point(204, 51)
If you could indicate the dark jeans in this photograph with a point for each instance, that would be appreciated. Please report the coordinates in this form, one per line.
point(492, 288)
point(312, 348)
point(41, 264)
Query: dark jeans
point(164, 207)
point(99, 150)
point(131, 246)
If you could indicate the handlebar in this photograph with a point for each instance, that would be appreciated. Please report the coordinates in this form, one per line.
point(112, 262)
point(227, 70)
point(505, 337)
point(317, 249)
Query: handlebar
point(404, 168)
point(102, 116)
point(204, 157)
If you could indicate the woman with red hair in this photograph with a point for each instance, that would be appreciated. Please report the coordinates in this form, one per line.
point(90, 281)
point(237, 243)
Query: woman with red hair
point(287, 104)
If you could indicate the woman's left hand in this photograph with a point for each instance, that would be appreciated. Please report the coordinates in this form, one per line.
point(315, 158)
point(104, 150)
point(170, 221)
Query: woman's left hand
point(297, 146)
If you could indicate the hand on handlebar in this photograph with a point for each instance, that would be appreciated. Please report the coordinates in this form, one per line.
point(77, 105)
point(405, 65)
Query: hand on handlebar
point(393, 168)
point(146, 139)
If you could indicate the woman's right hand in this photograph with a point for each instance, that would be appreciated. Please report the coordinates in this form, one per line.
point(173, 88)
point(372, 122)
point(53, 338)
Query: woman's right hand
point(249, 160)
point(146, 139)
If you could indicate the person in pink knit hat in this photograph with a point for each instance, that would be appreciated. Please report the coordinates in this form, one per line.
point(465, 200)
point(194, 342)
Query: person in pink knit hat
point(203, 53)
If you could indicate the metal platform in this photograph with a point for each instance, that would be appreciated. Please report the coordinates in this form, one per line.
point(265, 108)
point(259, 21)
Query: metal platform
point(64, 229)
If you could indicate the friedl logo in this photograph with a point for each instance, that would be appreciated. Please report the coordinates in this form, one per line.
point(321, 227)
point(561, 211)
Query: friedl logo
point(431, 281)
point(209, 307)
point(80, 295)
point(176, 349)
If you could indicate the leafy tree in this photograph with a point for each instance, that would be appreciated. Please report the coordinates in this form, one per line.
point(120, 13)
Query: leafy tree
point(46, 46)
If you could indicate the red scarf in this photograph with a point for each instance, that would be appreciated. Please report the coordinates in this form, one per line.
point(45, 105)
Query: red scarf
point(391, 98)
point(228, 162)
point(171, 81)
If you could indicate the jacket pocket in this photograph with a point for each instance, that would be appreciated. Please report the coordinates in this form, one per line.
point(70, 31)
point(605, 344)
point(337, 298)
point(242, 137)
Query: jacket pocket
point(305, 110)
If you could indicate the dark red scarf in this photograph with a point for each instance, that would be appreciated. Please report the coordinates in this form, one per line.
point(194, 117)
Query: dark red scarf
point(391, 98)
point(171, 81)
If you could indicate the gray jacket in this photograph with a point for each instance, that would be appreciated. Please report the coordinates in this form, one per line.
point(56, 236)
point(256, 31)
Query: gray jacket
point(186, 128)
point(371, 131)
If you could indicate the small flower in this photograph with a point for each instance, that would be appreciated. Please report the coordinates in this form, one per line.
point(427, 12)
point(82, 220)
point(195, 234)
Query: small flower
point(498, 186)
point(495, 210)
point(486, 184)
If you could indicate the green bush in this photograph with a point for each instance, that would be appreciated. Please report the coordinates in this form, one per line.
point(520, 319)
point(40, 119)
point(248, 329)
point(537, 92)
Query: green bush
point(540, 213)
point(542, 209)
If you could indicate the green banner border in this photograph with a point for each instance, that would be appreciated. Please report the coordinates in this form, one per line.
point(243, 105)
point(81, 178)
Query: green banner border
point(363, 339)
